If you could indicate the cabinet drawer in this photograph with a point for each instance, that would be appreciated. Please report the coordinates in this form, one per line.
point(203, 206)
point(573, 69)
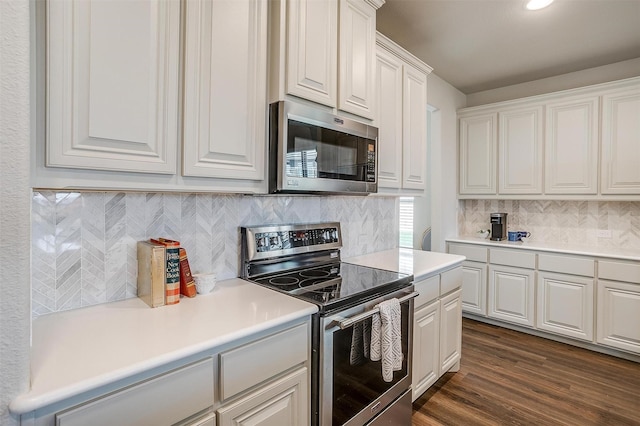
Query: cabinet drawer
point(472, 252)
point(258, 361)
point(619, 271)
point(451, 280)
point(429, 290)
point(517, 258)
point(188, 389)
point(566, 264)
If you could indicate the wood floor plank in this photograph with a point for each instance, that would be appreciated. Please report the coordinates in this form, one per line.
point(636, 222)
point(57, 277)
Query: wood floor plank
point(508, 377)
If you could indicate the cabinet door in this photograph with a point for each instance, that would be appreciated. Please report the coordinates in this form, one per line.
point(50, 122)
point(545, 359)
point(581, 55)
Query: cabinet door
point(357, 59)
point(565, 305)
point(189, 389)
point(426, 348)
point(474, 287)
point(450, 331)
point(312, 50)
point(283, 402)
point(478, 145)
point(511, 294)
point(621, 143)
point(520, 151)
point(112, 85)
point(389, 122)
point(571, 146)
point(619, 315)
point(414, 128)
point(225, 89)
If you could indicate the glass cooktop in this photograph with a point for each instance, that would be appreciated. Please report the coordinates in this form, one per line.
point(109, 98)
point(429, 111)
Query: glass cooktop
point(336, 284)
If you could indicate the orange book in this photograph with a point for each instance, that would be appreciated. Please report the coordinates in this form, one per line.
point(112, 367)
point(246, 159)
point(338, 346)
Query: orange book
point(172, 275)
point(187, 284)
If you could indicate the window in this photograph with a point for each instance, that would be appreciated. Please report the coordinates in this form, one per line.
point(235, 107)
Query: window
point(406, 222)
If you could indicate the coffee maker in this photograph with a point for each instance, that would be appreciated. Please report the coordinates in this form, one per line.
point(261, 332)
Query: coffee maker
point(498, 226)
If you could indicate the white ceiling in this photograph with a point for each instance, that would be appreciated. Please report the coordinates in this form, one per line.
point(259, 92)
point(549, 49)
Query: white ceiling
point(479, 45)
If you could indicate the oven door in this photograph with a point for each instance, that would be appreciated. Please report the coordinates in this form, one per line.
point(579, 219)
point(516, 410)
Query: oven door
point(352, 389)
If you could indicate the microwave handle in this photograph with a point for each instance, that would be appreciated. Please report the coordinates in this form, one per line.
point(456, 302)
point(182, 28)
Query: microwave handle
point(348, 322)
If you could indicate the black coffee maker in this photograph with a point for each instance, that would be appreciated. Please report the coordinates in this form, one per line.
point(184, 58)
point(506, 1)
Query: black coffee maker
point(498, 226)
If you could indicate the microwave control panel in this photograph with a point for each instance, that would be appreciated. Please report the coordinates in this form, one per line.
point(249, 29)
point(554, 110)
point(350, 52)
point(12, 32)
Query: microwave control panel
point(371, 162)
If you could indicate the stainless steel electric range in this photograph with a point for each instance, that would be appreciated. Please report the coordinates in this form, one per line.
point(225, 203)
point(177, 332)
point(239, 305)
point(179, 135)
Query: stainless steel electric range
point(303, 261)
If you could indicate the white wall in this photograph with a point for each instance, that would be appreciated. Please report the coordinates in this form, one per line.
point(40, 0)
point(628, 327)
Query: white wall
point(603, 74)
point(444, 160)
point(15, 196)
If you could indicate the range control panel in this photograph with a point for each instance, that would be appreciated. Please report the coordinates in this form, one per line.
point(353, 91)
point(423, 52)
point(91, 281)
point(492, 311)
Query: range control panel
point(281, 240)
point(265, 242)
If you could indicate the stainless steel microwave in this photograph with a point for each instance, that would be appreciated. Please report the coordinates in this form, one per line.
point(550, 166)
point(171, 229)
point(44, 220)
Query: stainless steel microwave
point(313, 151)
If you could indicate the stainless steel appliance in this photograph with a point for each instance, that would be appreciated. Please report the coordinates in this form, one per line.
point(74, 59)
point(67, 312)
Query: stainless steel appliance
point(498, 226)
point(313, 151)
point(304, 261)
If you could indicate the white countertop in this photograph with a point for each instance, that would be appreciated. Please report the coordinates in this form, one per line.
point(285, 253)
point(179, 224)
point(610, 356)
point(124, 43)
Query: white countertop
point(80, 350)
point(615, 253)
point(417, 262)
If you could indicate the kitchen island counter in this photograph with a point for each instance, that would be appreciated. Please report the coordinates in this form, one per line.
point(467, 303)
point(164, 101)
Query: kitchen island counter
point(421, 264)
point(83, 349)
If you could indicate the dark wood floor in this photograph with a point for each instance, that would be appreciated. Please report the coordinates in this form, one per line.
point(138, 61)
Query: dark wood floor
point(511, 378)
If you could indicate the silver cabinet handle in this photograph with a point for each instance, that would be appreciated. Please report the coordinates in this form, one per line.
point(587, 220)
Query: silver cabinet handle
point(348, 322)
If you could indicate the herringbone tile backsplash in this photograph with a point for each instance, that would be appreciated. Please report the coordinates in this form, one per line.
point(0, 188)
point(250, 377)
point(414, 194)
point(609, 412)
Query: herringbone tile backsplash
point(565, 222)
point(84, 244)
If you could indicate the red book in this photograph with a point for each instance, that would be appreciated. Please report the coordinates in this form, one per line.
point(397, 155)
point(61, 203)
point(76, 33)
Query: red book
point(187, 284)
point(172, 276)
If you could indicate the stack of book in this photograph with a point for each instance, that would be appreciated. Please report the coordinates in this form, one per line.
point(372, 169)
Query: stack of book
point(163, 272)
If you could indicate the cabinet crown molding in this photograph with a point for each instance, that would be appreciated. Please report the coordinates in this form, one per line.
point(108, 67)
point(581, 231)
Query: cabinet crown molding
point(551, 96)
point(395, 49)
point(377, 4)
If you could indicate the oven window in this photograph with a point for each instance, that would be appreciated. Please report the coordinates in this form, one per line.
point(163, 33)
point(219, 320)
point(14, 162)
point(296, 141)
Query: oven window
point(316, 152)
point(356, 384)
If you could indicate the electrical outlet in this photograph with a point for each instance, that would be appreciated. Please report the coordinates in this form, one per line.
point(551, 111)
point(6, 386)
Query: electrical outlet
point(603, 233)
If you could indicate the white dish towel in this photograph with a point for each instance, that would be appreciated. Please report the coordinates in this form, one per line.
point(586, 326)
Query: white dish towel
point(386, 338)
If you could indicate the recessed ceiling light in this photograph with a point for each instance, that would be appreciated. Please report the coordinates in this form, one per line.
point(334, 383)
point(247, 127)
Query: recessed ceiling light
point(538, 4)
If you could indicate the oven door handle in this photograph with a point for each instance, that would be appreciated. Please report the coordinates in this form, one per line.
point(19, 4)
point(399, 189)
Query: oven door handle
point(348, 322)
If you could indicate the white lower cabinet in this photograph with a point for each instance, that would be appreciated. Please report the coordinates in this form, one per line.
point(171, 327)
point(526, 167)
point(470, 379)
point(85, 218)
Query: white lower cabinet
point(165, 399)
point(511, 294)
point(437, 329)
point(619, 305)
point(451, 331)
point(565, 305)
point(283, 402)
point(426, 356)
point(474, 288)
point(257, 381)
point(575, 295)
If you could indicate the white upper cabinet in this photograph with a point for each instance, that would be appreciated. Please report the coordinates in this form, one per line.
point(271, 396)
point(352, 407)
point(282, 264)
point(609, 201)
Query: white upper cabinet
point(324, 51)
point(111, 90)
point(401, 118)
point(621, 142)
point(571, 163)
point(414, 128)
point(389, 122)
point(225, 89)
point(112, 85)
point(477, 153)
point(581, 143)
point(520, 151)
point(312, 50)
point(357, 57)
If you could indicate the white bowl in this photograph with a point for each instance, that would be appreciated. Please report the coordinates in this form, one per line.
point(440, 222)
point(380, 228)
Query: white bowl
point(205, 283)
point(483, 234)
point(525, 239)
